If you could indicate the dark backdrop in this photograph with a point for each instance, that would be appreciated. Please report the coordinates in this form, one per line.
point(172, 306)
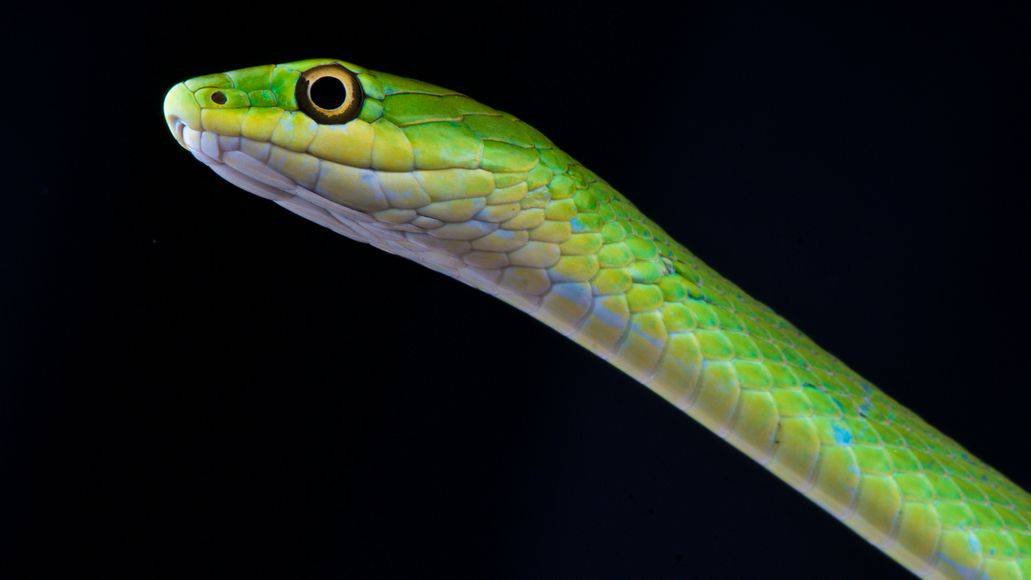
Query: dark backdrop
point(197, 383)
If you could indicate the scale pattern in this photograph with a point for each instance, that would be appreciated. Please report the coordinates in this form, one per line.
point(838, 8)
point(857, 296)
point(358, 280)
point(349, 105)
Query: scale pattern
point(434, 176)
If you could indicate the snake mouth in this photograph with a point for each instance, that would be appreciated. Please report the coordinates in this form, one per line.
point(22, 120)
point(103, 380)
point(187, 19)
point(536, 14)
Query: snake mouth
point(176, 125)
point(206, 146)
point(223, 155)
point(242, 162)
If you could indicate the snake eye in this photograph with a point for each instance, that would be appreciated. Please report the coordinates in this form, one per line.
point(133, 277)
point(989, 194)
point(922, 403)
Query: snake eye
point(330, 94)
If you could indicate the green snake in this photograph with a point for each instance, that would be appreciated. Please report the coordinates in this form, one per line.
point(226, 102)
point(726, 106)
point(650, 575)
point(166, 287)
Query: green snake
point(431, 175)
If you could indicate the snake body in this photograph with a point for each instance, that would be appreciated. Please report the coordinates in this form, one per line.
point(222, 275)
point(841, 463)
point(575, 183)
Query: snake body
point(434, 176)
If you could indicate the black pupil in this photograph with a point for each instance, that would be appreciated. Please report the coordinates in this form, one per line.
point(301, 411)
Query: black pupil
point(327, 93)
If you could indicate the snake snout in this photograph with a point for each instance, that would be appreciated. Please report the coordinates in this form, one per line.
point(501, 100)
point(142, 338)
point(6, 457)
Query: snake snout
point(183, 117)
point(181, 110)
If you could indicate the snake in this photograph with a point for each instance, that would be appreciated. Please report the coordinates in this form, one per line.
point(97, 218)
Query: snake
point(432, 175)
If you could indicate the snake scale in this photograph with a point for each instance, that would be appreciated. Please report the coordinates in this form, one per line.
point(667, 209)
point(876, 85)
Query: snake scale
point(431, 175)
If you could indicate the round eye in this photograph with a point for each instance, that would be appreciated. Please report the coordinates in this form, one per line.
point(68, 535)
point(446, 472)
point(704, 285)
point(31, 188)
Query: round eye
point(330, 94)
point(218, 97)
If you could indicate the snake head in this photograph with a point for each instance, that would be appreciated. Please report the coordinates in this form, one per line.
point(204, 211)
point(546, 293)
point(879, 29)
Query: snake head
point(377, 157)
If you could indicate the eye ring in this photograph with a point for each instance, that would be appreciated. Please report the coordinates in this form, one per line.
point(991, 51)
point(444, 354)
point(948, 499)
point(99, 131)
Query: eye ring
point(330, 94)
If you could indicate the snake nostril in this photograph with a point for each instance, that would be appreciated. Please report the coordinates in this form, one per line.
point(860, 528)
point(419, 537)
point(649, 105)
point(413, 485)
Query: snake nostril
point(218, 97)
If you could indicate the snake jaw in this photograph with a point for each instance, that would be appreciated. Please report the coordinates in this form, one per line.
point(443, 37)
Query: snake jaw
point(244, 163)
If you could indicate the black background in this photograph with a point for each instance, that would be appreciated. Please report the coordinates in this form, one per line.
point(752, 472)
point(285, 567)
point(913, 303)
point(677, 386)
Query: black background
point(197, 383)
